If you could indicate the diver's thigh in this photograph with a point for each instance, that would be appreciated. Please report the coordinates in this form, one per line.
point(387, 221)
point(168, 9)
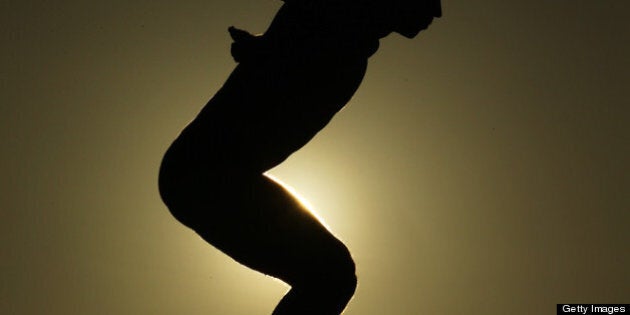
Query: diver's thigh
point(267, 229)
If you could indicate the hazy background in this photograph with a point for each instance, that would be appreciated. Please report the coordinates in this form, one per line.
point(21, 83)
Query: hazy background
point(482, 168)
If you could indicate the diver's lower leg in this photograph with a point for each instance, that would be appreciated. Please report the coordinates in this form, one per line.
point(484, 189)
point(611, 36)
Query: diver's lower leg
point(329, 301)
point(323, 289)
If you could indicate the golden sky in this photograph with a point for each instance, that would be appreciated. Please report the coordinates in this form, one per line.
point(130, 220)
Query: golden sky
point(481, 168)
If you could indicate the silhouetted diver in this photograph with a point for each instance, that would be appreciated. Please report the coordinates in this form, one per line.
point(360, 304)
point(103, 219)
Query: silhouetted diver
point(288, 84)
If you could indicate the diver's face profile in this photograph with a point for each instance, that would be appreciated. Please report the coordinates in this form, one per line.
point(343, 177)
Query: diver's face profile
point(415, 16)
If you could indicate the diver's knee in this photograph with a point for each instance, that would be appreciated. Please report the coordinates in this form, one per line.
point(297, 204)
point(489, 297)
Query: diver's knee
point(336, 274)
point(344, 285)
point(344, 268)
point(346, 279)
point(334, 284)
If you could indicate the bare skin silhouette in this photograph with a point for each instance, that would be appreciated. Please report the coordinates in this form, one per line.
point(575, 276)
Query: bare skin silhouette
point(288, 84)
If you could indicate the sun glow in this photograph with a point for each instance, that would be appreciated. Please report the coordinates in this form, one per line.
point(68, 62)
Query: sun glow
point(301, 199)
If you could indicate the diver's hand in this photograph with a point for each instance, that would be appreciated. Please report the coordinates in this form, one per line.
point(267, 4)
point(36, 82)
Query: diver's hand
point(245, 46)
point(239, 34)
